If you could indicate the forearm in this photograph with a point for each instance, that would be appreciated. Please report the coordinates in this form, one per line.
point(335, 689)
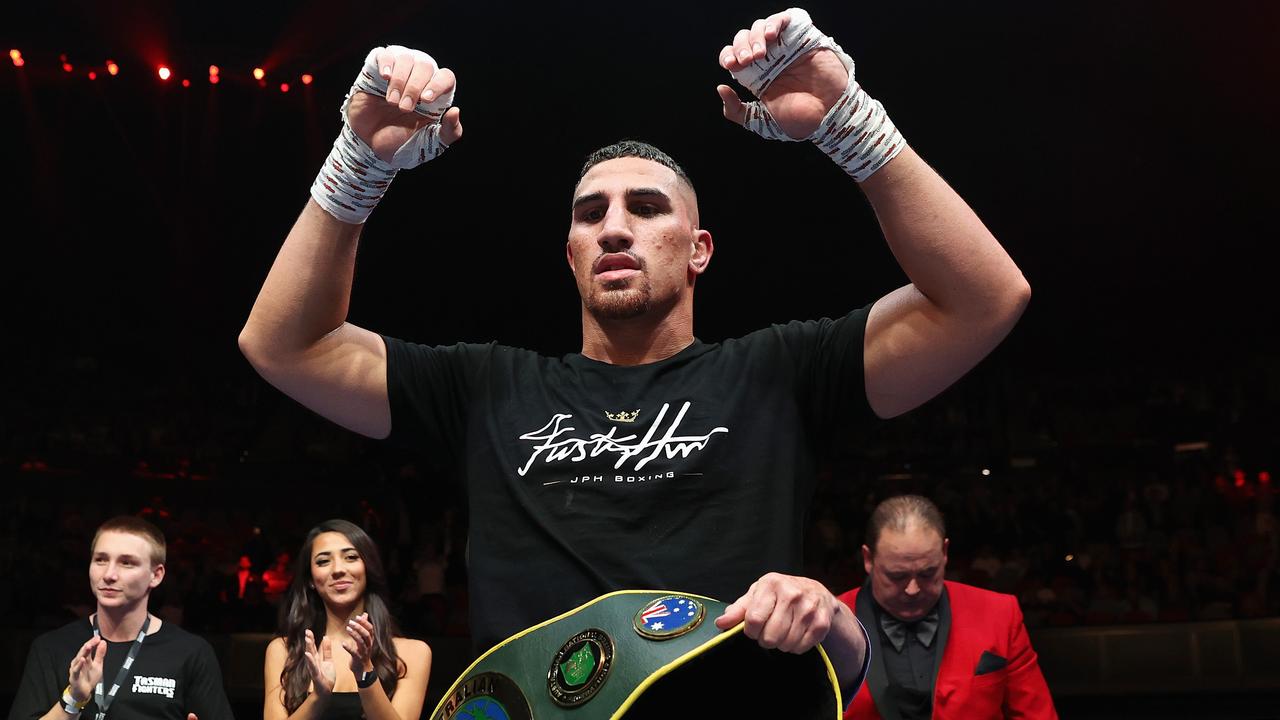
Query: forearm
point(846, 646)
point(307, 291)
point(942, 245)
point(57, 713)
point(376, 704)
point(313, 708)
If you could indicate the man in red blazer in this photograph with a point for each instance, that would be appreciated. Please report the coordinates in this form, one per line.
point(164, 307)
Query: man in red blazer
point(939, 649)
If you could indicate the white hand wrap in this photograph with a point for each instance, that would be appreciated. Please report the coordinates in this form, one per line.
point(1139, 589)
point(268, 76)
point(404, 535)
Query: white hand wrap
point(856, 132)
point(353, 179)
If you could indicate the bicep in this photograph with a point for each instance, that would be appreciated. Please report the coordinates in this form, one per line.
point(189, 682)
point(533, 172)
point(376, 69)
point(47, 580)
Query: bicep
point(38, 691)
point(1019, 641)
point(343, 377)
point(411, 690)
point(913, 351)
point(209, 699)
point(273, 700)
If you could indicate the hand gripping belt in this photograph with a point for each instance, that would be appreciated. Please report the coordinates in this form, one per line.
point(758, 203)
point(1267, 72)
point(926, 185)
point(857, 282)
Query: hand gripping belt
point(611, 658)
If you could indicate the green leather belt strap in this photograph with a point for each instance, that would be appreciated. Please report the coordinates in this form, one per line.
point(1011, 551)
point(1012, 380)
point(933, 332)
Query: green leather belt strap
point(641, 654)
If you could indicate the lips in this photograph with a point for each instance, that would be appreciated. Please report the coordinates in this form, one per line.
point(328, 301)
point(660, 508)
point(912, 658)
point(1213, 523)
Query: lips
point(616, 261)
point(342, 585)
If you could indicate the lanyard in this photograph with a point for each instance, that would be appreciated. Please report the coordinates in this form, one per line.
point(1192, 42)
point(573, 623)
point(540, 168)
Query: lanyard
point(105, 702)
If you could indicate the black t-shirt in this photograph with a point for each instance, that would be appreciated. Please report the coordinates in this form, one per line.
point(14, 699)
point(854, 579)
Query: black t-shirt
point(173, 674)
point(693, 473)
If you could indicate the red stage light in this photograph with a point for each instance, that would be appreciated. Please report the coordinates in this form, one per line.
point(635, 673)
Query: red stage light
point(112, 67)
point(258, 74)
point(284, 87)
point(213, 70)
point(164, 73)
point(306, 78)
point(16, 57)
point(213, 79)
point(19, 62)
point(1239, 478)
point(66, 67)
point(93, 75)
point(186, 82)
point(1264, 478)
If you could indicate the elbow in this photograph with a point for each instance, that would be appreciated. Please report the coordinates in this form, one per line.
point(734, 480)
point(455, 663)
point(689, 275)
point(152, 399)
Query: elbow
point(1020, 295)
point(1006, 308)
point(252, 347)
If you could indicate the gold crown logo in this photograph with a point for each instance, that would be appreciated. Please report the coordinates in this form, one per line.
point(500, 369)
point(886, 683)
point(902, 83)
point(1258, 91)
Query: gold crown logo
point(622, 416)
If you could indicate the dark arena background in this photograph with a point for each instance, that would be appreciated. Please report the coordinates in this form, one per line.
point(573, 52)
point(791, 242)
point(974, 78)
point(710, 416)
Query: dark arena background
point(1111, 463)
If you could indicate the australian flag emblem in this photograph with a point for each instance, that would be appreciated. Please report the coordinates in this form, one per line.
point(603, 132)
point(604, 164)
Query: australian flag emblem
point(669, 616)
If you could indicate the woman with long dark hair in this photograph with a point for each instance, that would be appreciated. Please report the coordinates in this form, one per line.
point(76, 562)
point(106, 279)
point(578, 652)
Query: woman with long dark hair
point(338, 655)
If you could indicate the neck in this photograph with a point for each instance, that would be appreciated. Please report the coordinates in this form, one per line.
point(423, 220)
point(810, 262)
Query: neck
point(122, 624)
point(336, 618)
point(637, 341)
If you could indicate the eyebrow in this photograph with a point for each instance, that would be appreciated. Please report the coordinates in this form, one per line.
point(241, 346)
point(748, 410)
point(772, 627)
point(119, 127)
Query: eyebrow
point(631, 194)
point(329, 552)
point(923, 571)
point(125, 556)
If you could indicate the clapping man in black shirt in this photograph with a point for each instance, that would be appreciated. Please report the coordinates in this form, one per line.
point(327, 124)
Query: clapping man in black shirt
point(122, 661)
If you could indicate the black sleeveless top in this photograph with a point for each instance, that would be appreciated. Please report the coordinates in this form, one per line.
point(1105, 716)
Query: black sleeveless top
point(343, 706)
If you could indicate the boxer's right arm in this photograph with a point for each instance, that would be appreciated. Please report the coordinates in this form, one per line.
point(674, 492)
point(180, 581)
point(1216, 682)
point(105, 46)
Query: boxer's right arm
point(297, 336)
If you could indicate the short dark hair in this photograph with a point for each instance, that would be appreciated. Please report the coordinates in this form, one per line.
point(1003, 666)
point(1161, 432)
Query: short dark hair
point(637, 149)
point(898, 512)
point(134, 525)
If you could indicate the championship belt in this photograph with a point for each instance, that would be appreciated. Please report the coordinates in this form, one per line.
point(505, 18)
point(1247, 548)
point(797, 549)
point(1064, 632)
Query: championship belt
point(641, 654)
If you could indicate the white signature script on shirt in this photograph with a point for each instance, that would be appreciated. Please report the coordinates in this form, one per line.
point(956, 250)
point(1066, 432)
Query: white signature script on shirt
point(552, 447)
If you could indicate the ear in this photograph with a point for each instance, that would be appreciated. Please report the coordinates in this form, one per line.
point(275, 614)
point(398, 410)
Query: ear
point(866, 559)
point(700, 258)
point(157, 575)
point(568, 254)
point(946, 544)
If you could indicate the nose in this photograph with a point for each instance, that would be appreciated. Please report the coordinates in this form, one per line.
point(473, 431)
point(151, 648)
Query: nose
point(913, 588)
point(615, 231)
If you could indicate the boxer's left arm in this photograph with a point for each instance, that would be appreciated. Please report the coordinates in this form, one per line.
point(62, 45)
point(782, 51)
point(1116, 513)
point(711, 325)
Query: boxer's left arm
point(793, 614)
point(965, 293)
